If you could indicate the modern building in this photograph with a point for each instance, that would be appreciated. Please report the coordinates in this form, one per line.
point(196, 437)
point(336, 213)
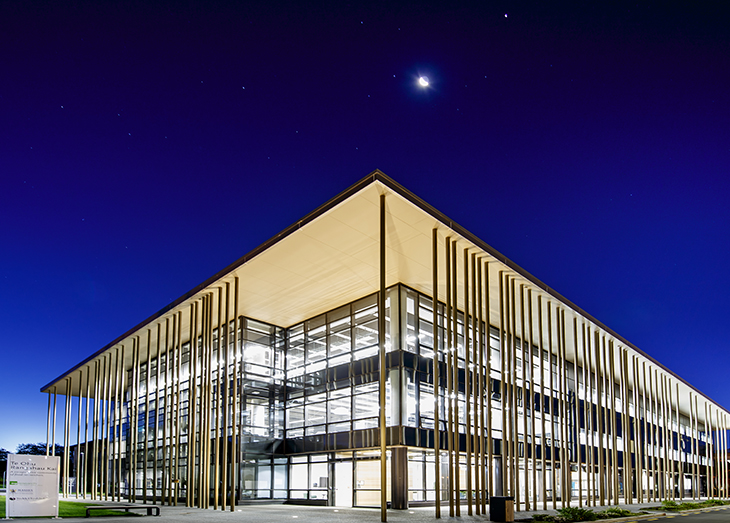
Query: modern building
point(306, 370)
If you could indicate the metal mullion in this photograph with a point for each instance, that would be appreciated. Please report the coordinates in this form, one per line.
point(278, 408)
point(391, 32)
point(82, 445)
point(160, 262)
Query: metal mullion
point(116, 457)
point(467, 361)
point(436, 377)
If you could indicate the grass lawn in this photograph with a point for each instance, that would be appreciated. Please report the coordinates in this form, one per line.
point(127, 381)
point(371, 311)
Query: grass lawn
point(71, 509)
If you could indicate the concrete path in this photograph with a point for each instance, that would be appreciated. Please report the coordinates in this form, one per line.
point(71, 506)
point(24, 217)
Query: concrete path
point(307, 514)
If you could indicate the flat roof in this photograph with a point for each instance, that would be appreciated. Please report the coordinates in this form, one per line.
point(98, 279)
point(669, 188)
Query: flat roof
point(331, 257)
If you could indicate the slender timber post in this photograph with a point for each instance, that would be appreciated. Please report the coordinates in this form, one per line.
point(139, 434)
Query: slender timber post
point(467, 364)
point(488, 386)
point(234, 399)
point(436, 378)
point(455, 380)
point(381, 367)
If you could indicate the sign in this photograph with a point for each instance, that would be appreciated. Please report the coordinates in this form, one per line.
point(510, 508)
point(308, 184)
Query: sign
point(32, 488)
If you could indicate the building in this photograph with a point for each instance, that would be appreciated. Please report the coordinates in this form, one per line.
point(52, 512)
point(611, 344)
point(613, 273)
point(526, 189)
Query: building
point(264, 382)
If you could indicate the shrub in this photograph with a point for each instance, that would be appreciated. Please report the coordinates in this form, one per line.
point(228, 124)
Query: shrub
point(572, 514)
point(616, 512)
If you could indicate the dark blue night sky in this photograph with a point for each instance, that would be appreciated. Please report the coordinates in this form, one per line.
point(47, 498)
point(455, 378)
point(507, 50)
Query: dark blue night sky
point(147, 145)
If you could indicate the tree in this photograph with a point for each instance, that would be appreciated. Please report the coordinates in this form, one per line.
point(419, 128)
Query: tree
point(38, 449)
point(3, 455)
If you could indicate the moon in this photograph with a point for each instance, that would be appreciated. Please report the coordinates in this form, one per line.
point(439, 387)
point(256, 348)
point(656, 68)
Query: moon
point(423, 81)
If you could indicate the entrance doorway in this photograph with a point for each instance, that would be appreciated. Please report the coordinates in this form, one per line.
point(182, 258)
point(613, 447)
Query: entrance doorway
point(343, 483)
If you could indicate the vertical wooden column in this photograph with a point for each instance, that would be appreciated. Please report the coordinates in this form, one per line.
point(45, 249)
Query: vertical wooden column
point(476, 329)
point(467, 385)
point(580, 413)
point(566, 475)
point(626, 423)
point(234, 400)
point(513, 453)
point(456, 382)
point(226, 394)
point(48, 426)
point(503, 392)
point(95, 431)
point(600, 433)
point(436, 368)
point(526, 371)
point(543, 439)
point(484, 389)
point(488, 472)
point(65, 456)
point(696, 452)
point(107, 428)
point(533, 409)
point(611, 411)
point(587, 412)
point(551, 395)
point(178, 405)
point(449, 381)
point(381, 359)
point(638, 436)
point(217, 404)
point(78, 437)
point(192, 440)
point(670, 440)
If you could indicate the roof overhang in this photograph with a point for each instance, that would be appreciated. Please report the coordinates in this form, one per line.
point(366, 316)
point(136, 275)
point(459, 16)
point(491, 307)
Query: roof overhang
point(331, 257)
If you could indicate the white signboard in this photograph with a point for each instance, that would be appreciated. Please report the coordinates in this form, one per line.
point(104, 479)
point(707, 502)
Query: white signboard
point(32, 488)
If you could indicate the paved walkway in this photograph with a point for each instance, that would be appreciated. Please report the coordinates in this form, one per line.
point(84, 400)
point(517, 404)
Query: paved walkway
point(308, 514)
